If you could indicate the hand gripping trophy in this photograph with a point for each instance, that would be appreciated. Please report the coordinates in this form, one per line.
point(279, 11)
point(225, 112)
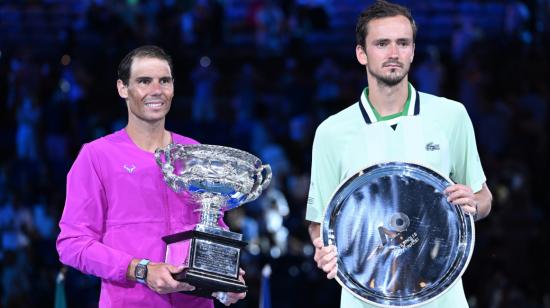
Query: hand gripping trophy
point(217, 178)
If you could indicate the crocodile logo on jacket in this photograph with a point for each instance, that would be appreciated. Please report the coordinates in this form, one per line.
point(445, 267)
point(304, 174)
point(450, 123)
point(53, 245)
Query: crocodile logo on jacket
point(432, 147)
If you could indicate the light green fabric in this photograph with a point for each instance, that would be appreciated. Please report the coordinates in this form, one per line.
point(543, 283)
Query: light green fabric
point(453, 298)
point(440, 137)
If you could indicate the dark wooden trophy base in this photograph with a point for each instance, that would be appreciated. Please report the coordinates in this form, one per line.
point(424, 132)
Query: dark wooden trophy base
point(213, 261)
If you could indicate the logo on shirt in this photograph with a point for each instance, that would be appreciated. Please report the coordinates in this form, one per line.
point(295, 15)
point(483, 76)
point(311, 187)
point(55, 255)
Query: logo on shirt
point(432, 147)
point(130, 169)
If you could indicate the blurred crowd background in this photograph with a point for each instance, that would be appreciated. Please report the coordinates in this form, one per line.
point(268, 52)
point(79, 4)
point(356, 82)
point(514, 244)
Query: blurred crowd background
point(260, 75)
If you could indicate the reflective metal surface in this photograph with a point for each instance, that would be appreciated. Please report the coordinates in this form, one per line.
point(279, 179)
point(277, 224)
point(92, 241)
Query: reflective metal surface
point(399, 242)
point(218, 177)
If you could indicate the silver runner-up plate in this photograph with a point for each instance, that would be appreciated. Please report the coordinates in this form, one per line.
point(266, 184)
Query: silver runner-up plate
point(400, 242)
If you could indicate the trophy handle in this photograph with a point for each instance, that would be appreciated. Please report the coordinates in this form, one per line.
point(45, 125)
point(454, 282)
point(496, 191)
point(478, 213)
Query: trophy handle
point(263, 182)
point(164, 160)
point(267, 178)
point(161, 153)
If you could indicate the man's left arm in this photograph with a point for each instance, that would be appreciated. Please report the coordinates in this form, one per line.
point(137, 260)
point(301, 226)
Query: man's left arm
point(472, 195)
point(484, 200)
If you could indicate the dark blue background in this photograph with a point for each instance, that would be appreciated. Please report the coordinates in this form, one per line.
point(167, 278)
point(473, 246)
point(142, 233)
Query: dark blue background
point(263, 86)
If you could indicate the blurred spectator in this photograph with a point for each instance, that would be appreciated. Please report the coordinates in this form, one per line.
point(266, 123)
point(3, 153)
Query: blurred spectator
point(205, 27)
point(28, 117)
point(15, 279)
point(280, 67)
point(313, 14)
point(16, 223)
point(430, 73)
point(274, 155)
point(493, 135)
point(327, 76)
point(470, 78)
point(245, 87)
point(270, 23)
point(43, 221)
point(204, 77)
point(464, 36)
point(518, 17)
point(275, 209)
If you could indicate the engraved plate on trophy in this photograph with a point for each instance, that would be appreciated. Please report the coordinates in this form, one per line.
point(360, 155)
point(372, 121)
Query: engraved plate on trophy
point(216, 258)
point(218, 179)
point(400, 242)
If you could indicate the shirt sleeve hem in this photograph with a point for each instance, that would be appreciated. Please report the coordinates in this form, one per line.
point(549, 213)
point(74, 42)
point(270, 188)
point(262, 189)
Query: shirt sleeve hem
point(478, 185)
point(313, 218)
point(123, 267)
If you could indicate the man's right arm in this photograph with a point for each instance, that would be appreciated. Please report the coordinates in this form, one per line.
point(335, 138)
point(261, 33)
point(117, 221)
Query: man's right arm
point(324, 179)
point(79, 242)
point(326, 257)
point(82, 223)
point(159, 277)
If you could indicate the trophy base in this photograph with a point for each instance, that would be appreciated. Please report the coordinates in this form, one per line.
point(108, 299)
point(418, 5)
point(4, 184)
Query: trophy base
point(205, 283)
point(212, 260)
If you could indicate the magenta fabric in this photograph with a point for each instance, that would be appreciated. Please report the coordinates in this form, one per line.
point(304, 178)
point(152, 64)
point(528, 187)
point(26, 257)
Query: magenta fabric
point(117, 208)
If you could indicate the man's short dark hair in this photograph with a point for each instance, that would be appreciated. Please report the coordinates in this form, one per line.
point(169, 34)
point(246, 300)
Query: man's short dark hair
point(147, 51)
point(380, 9)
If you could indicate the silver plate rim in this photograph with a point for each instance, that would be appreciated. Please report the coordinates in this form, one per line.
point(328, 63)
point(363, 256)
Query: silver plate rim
point(469, 219)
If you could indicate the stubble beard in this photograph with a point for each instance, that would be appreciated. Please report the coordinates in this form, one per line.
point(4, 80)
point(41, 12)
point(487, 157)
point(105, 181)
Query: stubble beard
point(390, 80)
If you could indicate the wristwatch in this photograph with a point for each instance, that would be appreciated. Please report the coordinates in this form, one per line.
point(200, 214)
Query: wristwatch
point(141, 270)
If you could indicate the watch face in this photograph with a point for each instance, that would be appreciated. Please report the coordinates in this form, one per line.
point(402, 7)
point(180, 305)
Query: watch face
point(141, 271)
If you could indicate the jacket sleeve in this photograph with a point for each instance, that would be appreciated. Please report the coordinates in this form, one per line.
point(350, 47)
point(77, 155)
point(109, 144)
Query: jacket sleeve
point(325, 175)
point(82, 223)
point(466, 165)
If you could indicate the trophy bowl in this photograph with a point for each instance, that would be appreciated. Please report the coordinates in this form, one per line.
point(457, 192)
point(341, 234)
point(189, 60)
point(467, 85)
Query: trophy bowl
point(218, 179)
point(400, 242)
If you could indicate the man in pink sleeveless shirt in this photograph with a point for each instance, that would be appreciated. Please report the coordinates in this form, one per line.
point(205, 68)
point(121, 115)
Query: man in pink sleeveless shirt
point(118, 206)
